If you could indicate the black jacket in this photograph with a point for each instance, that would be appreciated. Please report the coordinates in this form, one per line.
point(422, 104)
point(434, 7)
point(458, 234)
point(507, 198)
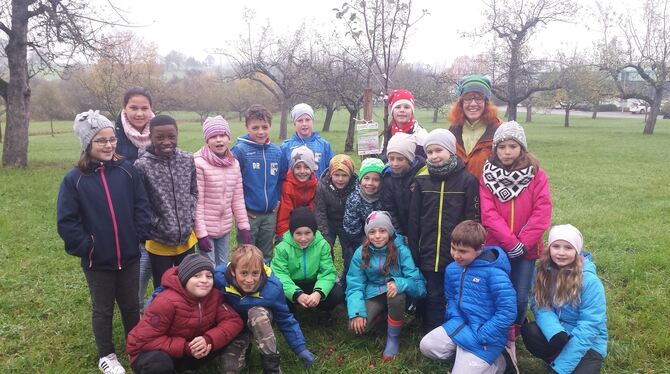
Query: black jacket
point(329, 202)
point(396, 193)
point(124, 146)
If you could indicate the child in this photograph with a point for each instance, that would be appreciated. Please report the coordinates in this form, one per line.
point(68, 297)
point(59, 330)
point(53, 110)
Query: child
point(303, 121)
point(570, 328)
point(305, 266)
point(103, 214)
point(186, 325)
point(170, 180)
point(443, 195)
point(363, 201)
point(220, 195)
point(401, 106)
point(257, 295)
point(299, 188)
point(516, 210)
point(398, 177)
point(262, 175)
point(373, 288)
point(482, 305)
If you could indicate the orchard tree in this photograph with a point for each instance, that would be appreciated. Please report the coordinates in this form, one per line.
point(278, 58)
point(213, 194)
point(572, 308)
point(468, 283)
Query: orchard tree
point(48, 102)
point(432, 87)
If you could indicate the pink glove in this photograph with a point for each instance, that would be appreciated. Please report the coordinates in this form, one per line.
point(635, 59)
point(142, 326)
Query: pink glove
point(204, 244)
point(244, 236)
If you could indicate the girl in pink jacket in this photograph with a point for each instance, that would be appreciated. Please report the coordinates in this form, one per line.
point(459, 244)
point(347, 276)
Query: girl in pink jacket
point(220, 195)
point(516, 210)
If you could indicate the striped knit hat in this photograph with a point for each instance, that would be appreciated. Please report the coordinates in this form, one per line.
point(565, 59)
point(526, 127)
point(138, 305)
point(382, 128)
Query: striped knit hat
point(475, 83)
point(214, 126)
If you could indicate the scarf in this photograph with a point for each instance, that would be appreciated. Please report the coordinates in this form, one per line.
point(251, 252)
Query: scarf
point(441, 171)
point(139, 139)
point(407, 128)
point(507, 184)
point(214, 159)
point(370, 198)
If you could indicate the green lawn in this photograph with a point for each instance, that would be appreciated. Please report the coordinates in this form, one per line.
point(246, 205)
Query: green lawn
point(606, 178)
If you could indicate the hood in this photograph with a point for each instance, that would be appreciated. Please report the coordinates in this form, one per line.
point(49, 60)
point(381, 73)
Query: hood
point(493, 256)
point(288, 238)
point(414, 168)
point(588, 266)
point(245, 140)
point(290, 178)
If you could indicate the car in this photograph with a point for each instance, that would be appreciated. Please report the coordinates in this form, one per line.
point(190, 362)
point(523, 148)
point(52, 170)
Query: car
point(639, 108)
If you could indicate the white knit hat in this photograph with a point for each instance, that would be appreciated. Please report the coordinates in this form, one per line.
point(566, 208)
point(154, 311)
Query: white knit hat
point(568, 233)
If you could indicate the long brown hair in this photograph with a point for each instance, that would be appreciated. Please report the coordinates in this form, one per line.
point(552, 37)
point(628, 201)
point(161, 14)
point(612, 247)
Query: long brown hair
point(556, 286)
point(391, 256)
point(87, 164)
point(457, 114)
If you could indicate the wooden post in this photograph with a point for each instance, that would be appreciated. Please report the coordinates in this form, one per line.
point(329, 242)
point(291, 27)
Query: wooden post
point(367, 104)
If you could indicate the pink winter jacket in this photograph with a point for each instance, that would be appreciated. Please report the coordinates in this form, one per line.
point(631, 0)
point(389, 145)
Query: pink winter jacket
point(220, 197)
point(523, 219)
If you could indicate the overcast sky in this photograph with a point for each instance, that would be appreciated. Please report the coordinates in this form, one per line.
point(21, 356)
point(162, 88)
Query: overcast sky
point(196, 27)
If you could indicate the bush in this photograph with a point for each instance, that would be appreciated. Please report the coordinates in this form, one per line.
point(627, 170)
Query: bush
point(608, 108)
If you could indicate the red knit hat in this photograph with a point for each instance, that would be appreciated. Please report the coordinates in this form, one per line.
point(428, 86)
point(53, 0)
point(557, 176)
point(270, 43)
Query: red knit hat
point(401, 96)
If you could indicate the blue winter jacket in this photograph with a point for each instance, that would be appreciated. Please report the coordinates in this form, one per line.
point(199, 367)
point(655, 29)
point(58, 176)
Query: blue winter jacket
point(481, 303)
point(103, 216)
point(586, 324)
point(263, 171)
point(271, 296)
point(356, 211)
point(363, 284)
point(323, 152)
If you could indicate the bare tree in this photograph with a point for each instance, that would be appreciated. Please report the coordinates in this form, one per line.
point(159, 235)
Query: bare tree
point(431, 86)
point(240, 94)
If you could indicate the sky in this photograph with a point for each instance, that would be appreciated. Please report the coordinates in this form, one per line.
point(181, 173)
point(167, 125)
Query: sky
point(197, 27)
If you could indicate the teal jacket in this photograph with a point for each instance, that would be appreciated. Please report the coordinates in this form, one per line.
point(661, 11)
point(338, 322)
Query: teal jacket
point(363, 284)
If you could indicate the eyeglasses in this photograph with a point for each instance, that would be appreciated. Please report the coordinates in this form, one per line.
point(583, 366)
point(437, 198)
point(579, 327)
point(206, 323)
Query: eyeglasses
point(476, 99)
point(103, 141)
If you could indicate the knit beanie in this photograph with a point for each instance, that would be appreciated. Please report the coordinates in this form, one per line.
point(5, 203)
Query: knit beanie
point(379, 218)
point(475, 83)
point(371, 165)
point(443, 138)
point(301, 109)
point(397, 97)
point(404, 144)
point(510, 130)
point(302, 217)
point(192, 265)
point(214, 126)
point(568, 233)
point(303, 154)
point(87, 124)
point(341, 162)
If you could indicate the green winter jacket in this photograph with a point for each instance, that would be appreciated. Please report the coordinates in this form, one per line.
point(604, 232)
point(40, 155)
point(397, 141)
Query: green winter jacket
point(293, 264)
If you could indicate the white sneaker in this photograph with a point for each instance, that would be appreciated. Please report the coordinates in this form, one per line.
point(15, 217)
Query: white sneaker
point(111, 365)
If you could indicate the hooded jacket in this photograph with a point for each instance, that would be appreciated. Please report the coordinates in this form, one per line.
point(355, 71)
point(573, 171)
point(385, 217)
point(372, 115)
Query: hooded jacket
point(356, 211)
point(172, 187)
point(103, 216)
point(174, 318)
point(323, 152)
point(474, 162)
point(481, 303)
point(586, 323)
point(294, 194)
point(329, 202)
point(396, 193)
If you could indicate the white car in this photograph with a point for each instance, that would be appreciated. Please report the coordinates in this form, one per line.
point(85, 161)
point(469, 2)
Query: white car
point(639, 108)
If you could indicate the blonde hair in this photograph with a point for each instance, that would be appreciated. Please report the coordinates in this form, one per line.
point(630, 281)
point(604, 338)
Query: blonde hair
point(556, 286)
point(246, 254)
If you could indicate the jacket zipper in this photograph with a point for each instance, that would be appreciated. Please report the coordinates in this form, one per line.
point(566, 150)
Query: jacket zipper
point(265, 180)
point(174, 196)
point(200, 317)
point(381, 271)
point(439, 227)
point(111, 211)
point(304, 263)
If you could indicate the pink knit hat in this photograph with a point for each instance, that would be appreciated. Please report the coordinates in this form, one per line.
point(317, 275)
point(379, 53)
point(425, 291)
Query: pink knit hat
point(214, 126)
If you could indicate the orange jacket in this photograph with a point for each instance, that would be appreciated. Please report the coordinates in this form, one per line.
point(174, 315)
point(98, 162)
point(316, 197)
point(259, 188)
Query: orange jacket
point(294, 194)
point(474, 162)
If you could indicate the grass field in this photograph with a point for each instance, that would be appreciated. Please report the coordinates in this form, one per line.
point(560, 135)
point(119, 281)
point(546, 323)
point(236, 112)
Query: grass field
point(606, 178)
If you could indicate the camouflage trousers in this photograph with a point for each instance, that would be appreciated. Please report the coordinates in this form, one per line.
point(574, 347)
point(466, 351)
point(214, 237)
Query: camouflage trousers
point(259, 328)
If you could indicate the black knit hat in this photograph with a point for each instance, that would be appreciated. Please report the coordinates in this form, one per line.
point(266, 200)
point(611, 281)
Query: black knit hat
point(192, 265)
point(302, 217)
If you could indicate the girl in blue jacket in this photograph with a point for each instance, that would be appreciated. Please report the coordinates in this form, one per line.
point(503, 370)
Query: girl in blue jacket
point(381, 276)
point(570, 328)
point(103, 214)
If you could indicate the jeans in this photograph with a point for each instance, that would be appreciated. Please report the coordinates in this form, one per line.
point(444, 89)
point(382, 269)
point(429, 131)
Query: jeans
point(434, 305)
point(348, 250)
point(220, 249)
point(160, 264)
point(263, 232)
point(522, 276)
point(145, 274)
point(106, 287)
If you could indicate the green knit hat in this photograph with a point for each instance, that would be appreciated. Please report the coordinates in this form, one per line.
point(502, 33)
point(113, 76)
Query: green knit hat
point(475, 83)
point(371, 165)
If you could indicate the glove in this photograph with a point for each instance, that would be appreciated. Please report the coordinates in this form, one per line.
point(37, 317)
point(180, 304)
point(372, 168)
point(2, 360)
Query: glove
point(244, 236)
point(558, 341)
point(204, 244)
point(517, 251)
point(307, 358)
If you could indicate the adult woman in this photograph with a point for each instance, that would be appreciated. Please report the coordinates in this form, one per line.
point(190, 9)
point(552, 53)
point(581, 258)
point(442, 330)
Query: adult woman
point(474, 120)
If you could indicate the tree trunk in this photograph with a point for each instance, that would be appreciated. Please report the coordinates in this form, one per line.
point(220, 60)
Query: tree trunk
point(529, 113)
point(330, 110)
point(15, 149)
point(566, 122)
point(511, 110)
point(650, 121)
point(240, 115)
point(52, 127)
point(594, 115)
point(349, 143)
point(435, 113)
point(283, 122)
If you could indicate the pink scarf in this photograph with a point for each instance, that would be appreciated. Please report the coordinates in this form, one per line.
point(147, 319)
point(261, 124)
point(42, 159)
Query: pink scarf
point(139, 139)
point(214, 159)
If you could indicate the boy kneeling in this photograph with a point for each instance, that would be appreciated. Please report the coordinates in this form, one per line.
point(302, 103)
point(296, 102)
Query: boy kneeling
point(481, 305)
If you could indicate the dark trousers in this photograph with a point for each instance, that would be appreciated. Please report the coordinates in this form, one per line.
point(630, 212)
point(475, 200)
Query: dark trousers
point(433, 307)
point(348, 249)
point(522, 275)
point(159, 362)
point(538, 346)
point(160, 264)
point(107, 287)
point(335, 296)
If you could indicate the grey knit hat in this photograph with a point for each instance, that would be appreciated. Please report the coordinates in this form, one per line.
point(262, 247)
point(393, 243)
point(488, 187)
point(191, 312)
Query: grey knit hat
point(510, 130)
point(301, 109)
point(403, 144)
point(303, 154)
point(441, 137)
point(379, 218)
point(87, 124)
point(192, 265)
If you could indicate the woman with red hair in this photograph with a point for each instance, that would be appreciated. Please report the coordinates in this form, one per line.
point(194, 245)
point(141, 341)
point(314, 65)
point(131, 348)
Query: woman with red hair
point(474, 120)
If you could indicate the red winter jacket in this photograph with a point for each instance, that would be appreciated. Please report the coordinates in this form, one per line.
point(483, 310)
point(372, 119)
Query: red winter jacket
point(294, 194)
point(174, 318)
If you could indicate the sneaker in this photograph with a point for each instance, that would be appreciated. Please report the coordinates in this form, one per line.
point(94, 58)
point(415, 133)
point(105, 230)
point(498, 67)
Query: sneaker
point(111, 365)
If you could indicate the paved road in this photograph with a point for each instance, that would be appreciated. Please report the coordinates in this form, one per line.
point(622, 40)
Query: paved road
point(561, 112)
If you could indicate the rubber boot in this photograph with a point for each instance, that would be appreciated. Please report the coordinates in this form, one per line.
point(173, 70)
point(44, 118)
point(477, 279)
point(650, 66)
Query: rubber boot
point(392, 339)
point(270, 363)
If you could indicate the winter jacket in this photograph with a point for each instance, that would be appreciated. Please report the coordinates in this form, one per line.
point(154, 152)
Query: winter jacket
point(481, 303)
point(314, 263)
point(172, 187)
point(294, 194)
point(323, 152)
point(124, 146)
point(436, 207)
point(102, 217)
point(474, 162)
point(586, 324)
point(270, 296)
point(364, 284)
point(220, 196)
point(329, 202)
point(356, 211)
point(174, 318)
point(396, 193)
point(263, 171)
point(524, 219)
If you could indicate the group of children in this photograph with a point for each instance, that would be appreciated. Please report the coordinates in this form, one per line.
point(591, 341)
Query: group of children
point(408, 230)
